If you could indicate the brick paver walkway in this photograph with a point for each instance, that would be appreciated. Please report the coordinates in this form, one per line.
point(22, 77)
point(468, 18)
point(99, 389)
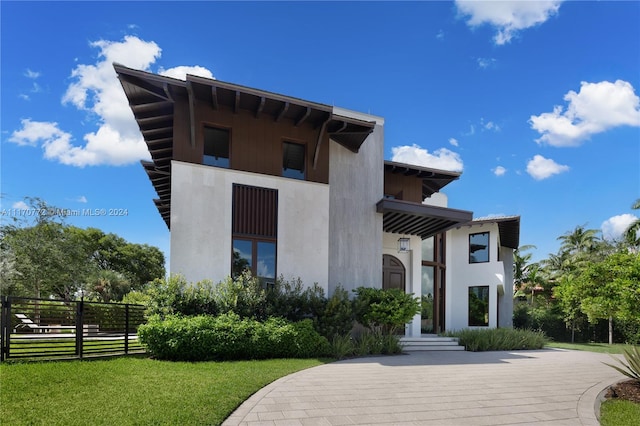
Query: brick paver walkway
point(547, 387)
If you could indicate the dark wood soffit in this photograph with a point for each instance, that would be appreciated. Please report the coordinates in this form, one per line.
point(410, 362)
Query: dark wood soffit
point(405, 217)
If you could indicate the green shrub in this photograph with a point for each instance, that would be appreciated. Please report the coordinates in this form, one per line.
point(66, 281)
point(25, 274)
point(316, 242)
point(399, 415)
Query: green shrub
point(387, 309)
point(337, 317)
point(229, 337)
point(367, 343)
point(499, 339)
point(290, 300)
point(632, 366)
point(243, 295)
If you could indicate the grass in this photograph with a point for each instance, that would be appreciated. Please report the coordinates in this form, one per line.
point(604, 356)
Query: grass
point(606, 348)
point(127, 391)
point(619, 413)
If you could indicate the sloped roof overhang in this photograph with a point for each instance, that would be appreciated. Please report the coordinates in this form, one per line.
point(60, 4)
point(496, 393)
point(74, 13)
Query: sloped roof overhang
point(404, 217)
point(508, 228)
point(151, 98)
point(433, 180)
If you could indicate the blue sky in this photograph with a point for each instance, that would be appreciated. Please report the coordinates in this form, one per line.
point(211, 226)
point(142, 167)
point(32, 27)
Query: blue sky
point(535, 102)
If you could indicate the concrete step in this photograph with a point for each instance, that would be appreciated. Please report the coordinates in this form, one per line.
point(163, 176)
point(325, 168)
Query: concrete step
point(430, 343)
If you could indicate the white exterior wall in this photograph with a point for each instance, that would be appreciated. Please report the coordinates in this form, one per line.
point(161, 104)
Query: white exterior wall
point(461, 275)
point(355, 228)
point(201, 207)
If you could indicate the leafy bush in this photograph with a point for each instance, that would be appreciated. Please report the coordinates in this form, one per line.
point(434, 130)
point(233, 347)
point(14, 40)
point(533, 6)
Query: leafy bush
point(174, 295)
point(337, 317)
point(228, 337)
point(499, 339)
point(243, 296)
point(632, 366)
point(387, 309)
point(290, 300)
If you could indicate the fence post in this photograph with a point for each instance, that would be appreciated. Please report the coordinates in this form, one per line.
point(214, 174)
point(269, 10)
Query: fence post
point(79, 328)
point(5, 328)
point(126, 328)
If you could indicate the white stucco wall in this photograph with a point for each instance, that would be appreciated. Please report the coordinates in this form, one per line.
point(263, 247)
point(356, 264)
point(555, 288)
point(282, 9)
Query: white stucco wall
point(201, 210)
point(461, 275)
point(355, 228)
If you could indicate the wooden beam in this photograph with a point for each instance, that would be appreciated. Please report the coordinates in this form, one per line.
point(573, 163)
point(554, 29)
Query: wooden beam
point(236, 105)
point(214, 97)
point(192, 113)
point(283, 111)
point(144, 85)
point(167, 91)
point(263, 100)
point(304, 117)
point(319, 140)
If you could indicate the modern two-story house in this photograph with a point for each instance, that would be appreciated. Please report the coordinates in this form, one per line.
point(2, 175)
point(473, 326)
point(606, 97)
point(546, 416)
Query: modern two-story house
point(283, 186)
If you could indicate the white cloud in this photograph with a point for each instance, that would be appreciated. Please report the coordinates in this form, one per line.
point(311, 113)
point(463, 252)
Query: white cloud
point(453, 141)
point(598, 107)
point(442, 159)
point(499, 171)
point(614, 227)
point(96, 89)
point(20, 205)
point(489, 125)
point(541, 168)
point(81, 199)
point(181, 72)
point(440, 35)
point(485, 63)
point(507, 17)
point(31, 74)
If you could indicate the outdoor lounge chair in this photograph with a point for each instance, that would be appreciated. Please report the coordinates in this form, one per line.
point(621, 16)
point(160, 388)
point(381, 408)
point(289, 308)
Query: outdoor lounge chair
point(27, 323)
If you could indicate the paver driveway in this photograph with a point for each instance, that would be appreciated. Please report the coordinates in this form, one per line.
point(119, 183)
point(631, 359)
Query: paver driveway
point(546, 387)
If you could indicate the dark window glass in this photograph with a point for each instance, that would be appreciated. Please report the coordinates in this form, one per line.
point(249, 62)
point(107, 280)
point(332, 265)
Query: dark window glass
point(242, 256)
point(479, 306)
point(479, 247)
point(293, 160)
point(216, 147)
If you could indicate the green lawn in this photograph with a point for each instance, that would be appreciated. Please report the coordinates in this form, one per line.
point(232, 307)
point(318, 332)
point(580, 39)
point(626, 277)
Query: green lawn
point(619, 413)
point(126, 391)
point(616, 348)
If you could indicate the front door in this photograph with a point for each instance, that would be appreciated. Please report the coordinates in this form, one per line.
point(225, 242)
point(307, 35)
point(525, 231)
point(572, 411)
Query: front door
point(393, 273)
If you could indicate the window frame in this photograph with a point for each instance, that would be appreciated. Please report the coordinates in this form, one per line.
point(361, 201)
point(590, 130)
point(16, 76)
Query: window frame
point(487, 247)
point(206, 126)
point(486, 290)
point(302, 173)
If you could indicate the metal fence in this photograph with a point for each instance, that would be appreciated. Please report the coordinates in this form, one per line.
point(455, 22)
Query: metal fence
point(58, 329)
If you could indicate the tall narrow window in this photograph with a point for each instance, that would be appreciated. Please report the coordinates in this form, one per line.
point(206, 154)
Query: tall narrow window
point(216, 147)
point(293, 160)
point(255, 228)
point(479, 306)
point(479, 247)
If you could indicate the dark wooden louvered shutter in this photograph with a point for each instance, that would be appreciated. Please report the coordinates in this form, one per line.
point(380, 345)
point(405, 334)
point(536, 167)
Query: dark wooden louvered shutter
point(255, 211)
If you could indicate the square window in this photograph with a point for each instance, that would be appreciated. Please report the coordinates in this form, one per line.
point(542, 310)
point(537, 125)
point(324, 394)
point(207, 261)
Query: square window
point(479, 247)
point(216, 147)
point(293, 160)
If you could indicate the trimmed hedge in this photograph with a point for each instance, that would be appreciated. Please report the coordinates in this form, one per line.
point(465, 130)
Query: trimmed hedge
point(499, 339)
point(229, 337)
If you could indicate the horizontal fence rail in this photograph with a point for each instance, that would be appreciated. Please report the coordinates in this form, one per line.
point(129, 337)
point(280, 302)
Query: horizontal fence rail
point(57, 329)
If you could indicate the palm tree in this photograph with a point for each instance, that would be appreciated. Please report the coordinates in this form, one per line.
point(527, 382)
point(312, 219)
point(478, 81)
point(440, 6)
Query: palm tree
point(632, 234)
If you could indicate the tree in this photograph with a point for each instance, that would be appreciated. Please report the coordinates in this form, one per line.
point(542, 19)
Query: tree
point(632, 234)
point(611, 289)
point(50, 258)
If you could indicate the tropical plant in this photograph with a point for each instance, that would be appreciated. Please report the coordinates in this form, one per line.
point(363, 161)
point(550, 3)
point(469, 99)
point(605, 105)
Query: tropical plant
point(632, 366)
point(387, 309)
point(632, 234)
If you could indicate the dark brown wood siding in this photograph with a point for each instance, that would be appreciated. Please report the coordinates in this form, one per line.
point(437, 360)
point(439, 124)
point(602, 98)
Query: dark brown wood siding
point(256, 142)
point(407, 188)
point(255, 211)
